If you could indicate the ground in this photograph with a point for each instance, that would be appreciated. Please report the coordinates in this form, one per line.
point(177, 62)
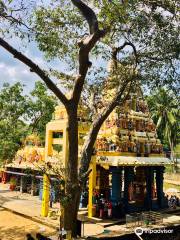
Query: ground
point(14, 227)
point(29, 207)
point(20, 214)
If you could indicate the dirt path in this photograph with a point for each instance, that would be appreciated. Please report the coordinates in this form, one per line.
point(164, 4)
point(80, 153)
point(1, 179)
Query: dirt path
point(14, 227)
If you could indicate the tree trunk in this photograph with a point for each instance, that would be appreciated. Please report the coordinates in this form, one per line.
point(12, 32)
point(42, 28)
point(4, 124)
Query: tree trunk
point(70, 214)
point(96, 125)
point(72, 187)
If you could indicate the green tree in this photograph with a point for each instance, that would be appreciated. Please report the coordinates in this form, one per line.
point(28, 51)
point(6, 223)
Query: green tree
point(41, 107)
point(164, 107)
point(22, 115)
point(136, 35)
point(13, 107)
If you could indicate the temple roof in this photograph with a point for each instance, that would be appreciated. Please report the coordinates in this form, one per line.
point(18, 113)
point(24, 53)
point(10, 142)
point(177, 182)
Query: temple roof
point(24, 165)
point(132, 161)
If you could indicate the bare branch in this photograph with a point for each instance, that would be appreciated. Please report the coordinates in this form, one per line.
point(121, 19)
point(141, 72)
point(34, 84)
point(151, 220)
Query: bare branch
point(7, 13)
point(88, 14)
point(14, 20)
point(118, 49)
point(35, 68)
point(85, 44)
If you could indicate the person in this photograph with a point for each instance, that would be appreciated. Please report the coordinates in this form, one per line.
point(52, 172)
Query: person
point(101, 206)
point(39, 236)
point(174, 202)
point(169, 202)
point(109, 205)
point(138, 147)
point(178, 201)
point(105, 209)
point(51, 198)
point(29, 237)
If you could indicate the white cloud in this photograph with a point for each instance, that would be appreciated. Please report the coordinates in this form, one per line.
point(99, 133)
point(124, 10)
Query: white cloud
point(12, 70)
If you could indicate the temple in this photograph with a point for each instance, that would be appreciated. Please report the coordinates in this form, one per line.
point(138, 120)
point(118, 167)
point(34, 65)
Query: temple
point(127, 170)
point(127, 165)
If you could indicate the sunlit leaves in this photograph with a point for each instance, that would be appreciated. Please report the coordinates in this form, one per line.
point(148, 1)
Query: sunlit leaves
point(151, 26)
point(40, 108)
point(58, 30)
point(21, 115)
point(13, 107)
point(165, 111)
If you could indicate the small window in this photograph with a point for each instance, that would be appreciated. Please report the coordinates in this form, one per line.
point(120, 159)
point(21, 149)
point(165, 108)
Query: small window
point(57, 147)
point(57, 134)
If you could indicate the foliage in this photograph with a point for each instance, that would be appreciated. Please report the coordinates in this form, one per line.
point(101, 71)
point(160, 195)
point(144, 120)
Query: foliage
point(164, 107)
point(177, 151)
point(21, 115)
point(41, 107)
point(150, 29)
point(13, 107)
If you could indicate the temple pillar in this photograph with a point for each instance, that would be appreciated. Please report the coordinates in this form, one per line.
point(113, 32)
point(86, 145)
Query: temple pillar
point(149, 184)
point(45, 196)
point(159, 186)
point(116, 183)
point(128, 178)
point(4, 177)
point(23, 184)
point(33, 186)
point(116, 191)
point(92, 185)
point(134, 102)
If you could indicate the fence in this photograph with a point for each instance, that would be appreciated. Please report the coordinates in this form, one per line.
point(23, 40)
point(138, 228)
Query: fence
point(145, 218)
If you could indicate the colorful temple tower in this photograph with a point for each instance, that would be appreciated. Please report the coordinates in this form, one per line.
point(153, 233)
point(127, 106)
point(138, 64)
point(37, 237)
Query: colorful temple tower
point(128, 167)
point(129, 163)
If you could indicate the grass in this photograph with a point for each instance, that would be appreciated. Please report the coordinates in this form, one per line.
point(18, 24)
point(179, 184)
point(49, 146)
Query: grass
point(170, 185)
point(169, 169)
point(173, 177)
point(177, 151)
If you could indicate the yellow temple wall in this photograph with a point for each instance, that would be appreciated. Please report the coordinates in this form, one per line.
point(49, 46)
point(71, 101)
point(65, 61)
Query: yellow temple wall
point(56, 126)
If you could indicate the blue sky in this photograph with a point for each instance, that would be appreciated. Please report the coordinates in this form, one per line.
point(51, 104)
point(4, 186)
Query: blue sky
point(12, 70)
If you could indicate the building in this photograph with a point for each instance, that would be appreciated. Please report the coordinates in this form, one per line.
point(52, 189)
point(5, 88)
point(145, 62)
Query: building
point(127, 166)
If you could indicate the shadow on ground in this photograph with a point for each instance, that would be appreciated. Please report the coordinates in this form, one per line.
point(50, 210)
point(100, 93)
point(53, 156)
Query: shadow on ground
point(154, 236)
point(3, 200)
point(15, 233)
point(4, 191)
